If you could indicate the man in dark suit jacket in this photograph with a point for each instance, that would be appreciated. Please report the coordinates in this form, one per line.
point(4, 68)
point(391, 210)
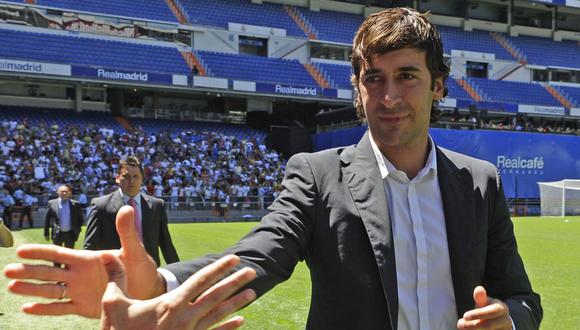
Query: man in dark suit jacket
point(397, 232)
point(63, 219)
point(101, 232)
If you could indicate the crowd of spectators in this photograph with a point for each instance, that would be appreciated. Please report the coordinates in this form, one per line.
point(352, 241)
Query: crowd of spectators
point(185, 167)
point(531, 125)
point(516, 123)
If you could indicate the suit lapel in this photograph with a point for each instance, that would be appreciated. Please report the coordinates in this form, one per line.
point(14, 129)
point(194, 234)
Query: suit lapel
point(117, 201)
point(146, 213)
point(364, 181)
point(56, 210)
point(456, 185)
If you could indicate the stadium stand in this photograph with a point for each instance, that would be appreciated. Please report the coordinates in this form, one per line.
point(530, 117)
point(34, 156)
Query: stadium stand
point(153, 127)
point(535, 50)
point(325, 24)
point(89, 51)
point(571, 93)
point(338, 75)
point(455, 90)
point(255, 68)
point(59, 117)
point(150, 9)
point(197, 165)
point(476, 41)
point(221, 12)
point(42, 148)
point(514, 92)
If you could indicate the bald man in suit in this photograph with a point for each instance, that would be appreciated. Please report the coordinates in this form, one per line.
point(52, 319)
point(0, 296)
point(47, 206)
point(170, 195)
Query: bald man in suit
point(64, 219)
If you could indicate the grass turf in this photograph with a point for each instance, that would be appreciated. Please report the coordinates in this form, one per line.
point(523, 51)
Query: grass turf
point(550, 248)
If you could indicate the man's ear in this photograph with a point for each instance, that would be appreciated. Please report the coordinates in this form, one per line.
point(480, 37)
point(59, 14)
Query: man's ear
point(438, 89)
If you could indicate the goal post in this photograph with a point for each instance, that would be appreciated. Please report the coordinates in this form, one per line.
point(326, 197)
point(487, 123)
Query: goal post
point(560, 198)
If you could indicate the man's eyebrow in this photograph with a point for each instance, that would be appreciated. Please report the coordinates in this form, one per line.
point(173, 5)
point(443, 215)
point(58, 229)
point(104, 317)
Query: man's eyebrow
point(371, 71)
point(409, 68)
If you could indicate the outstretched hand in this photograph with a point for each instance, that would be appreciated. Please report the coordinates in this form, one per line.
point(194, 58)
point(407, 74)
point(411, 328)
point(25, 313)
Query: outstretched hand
point(198, 303)
point(78, 288)
point(489, 313)
point(86, 275)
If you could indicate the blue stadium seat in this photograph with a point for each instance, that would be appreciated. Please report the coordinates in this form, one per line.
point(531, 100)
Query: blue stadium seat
point(148, 9)
point(540, 51)
point(221, 12)
point(571, 93)
point(90, 52)
point(475, 41)
point(455, 91)
point(514, 92)
point(61, 117)
point(256, 68)
point(326, 27)
point(154, 126)
point(338, 75)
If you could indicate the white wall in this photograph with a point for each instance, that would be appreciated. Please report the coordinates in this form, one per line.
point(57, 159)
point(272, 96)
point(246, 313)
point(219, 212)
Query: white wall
point(37, 102)
point(216, 40)
point(288, 48)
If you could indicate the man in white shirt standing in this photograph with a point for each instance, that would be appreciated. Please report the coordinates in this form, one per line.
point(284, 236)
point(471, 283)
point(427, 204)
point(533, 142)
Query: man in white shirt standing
point(397, 232)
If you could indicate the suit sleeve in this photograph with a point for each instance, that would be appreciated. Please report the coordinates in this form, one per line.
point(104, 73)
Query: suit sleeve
point(165, 242)
point(47, 219)
point(79, 219)
point(505, 276)
point(274, 247)
point(93, 235)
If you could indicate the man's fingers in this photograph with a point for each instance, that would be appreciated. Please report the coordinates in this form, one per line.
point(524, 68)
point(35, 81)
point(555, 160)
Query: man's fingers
point(128, 235)
point(480, 297)
point(462, 324)
point(226, 308)
point(205, 278)
point(113, 299)
point(47, 252)
point(486, 313)
point(228, 286)
point(55, 308)
point(35, 272)
point(215, 304)
point(233, 323)
point(45, 290)
point(115, 270)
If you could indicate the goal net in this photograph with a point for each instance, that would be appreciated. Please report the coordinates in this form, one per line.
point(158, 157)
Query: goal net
point(560, 198)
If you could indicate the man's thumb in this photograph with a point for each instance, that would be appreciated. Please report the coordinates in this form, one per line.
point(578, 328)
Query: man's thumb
point(480, 297)
point(128, 235)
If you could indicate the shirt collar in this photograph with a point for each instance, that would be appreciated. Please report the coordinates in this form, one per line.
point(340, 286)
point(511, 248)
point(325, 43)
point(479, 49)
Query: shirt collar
point(386, 167)
point(126, 198)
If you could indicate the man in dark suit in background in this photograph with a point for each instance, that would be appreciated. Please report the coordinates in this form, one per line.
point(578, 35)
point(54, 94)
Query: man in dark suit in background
point(397, 232)
point(63, 219)
point(150, 216)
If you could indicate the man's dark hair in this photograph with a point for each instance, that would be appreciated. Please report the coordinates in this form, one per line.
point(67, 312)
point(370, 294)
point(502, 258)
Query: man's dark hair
point(129, 161)
point(394, 29)
point(68, 186)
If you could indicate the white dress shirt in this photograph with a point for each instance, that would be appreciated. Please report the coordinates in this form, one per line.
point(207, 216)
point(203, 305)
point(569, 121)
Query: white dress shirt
point(425, 289)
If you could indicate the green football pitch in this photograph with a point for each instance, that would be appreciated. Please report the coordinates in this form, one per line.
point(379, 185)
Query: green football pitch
point(550, 248)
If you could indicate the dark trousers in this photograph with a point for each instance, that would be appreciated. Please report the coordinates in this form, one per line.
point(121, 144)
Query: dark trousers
point(7, 215)
point(26, 211)
point(66, 239)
